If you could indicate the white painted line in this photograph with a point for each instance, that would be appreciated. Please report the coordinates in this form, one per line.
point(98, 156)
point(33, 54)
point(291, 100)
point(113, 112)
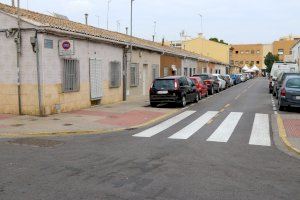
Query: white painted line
point(164, 125)
point(275, 112)
point(225, 130)
point(260, 134)
point(189, 130)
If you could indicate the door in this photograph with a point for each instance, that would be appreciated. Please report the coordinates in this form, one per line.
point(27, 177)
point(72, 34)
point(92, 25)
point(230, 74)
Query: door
point(96, 86)
point(145, 80)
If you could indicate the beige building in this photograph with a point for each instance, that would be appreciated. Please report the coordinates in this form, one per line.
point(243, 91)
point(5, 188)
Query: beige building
point(247, 54)
point(283, 47)
point(204, 47)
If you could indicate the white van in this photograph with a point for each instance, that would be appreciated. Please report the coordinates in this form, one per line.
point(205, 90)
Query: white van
point(279, 67)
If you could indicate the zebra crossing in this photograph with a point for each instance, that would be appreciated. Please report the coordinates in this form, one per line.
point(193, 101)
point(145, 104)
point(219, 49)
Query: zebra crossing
point(259, 136)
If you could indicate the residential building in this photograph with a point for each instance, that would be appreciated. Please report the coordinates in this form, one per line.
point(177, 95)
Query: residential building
point(283, 47)
point(247, 54)
point(296, 53)
point(204, 47)
point(61, 66)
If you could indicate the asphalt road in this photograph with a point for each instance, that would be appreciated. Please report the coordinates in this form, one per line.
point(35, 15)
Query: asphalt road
point(240, 160)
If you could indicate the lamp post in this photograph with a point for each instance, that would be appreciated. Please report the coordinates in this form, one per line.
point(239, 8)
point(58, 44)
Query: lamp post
point(107, 22)
point(154, 32)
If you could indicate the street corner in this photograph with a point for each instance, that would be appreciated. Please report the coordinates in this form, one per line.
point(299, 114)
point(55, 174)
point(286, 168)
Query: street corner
point(286, 129)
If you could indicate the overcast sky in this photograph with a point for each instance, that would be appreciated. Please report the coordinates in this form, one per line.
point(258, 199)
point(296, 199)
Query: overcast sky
point(235, 21)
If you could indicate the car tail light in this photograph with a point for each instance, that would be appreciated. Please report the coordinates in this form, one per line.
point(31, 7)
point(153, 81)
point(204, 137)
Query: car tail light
point(151, 86)
point(283, 92)
point(207, 82)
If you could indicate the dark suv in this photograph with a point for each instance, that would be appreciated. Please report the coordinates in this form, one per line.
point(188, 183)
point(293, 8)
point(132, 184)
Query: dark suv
point(173, 89)
point(211, 83)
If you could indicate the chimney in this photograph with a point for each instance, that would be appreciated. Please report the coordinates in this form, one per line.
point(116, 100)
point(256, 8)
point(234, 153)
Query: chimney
point(126, 30)
point(163, 42)
point(13, 3)
point(86, 18)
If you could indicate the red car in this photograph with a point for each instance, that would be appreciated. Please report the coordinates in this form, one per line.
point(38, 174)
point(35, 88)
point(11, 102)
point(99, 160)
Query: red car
point(201, 86)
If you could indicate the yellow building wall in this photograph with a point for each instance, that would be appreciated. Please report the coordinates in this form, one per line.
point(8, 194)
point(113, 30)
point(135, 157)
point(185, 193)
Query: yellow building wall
point(208, 48)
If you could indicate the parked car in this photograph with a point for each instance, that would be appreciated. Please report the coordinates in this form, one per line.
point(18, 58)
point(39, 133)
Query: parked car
point(201, 86)
point(289, 93)
point(211, 83)
point(222, 82)
point(173, 89)
point(279, 67)
point(278, 82)
point(243, 78)
point(229, 81)
point(236, 79)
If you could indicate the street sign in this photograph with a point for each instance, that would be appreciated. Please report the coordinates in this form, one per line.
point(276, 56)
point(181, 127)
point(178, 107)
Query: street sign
point(66, 47)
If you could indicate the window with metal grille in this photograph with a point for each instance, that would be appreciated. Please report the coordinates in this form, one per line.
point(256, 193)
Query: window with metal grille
point(134, 75)
point(185, 71)
point(155, 71)
point(70, 75)
point(166, 71)
point(115, 74)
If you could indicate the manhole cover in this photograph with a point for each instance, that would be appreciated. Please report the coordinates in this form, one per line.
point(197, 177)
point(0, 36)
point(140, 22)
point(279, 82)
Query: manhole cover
point(35, 142)
point(68, 124)
point(17, 125)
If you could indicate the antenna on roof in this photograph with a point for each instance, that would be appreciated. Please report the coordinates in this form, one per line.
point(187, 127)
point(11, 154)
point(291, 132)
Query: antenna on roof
point(13, 3)
point(86, 18)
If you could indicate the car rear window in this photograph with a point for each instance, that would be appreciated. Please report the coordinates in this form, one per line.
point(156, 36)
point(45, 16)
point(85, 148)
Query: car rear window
point(293, 83)
point(164, 84)
point(204, 77)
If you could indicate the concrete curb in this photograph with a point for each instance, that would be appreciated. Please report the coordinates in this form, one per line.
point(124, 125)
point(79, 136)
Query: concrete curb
point(84, 132)
point(283, 136)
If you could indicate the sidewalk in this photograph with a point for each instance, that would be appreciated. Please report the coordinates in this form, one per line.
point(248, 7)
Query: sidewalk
point(106, 118)
point(289, 131)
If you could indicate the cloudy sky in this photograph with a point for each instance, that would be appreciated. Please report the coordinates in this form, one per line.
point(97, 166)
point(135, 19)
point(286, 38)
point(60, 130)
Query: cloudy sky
point(235, 21)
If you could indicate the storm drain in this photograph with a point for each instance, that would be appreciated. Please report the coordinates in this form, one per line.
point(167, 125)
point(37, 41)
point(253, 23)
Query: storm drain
point(35, 142)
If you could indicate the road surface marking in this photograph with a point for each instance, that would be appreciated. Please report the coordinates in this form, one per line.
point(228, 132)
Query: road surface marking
point(225, 130)
point(164, 125)
point(227, 105)
point(189, 130)
point(260, 134)
point(222, 110)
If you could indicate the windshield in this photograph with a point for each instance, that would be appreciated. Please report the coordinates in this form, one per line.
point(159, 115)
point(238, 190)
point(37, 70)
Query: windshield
point(293, 83)
point(204, 77)
point(164, 84)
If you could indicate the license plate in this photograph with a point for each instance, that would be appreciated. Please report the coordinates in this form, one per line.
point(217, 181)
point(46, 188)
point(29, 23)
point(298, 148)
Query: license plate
point(162, 92)
point(297, 97)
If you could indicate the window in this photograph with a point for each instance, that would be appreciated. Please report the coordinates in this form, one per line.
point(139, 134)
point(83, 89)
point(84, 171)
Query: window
point(247, 62)
point(258, 51)
point(247, 51)
point(241, 62)
point(204, 70)
point(115, 74)
point(48, 44)
point(257, 62)
point(134, 75)
point(252, 51)
point(236, 62)
point(70, 75)
point(194, 71)
point(280, 51)
point(242, 52)
point(191, 72)
point(185, 71)
point(155, 71)
point(236, 52)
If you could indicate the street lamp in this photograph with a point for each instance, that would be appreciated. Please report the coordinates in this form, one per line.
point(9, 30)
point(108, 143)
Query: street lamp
point(108, 3)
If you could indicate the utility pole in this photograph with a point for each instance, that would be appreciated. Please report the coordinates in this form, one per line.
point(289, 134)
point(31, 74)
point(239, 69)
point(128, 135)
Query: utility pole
point(13, 3)
point(98, 19)
point(86, 18)
point(118, 25)
point(107, 22)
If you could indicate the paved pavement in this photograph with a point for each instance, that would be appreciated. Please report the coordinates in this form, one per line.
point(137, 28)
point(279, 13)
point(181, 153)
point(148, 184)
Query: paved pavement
point(220, 148)
point(94, 120)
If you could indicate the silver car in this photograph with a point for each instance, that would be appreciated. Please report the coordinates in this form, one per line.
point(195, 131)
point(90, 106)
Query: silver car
point(289, 93)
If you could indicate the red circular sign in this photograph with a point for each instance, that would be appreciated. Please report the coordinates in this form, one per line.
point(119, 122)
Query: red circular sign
point(66, 45)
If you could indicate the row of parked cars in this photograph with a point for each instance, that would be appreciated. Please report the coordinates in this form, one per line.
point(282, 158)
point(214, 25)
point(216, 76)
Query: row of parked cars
point(284, 84)
point(181, 90)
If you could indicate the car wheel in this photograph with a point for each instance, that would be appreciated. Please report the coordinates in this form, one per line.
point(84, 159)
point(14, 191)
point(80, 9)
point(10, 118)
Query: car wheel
point(218, 90)
point(198, 98)
point(153, 104)
point(281, 108)
point(270, 91)
point(183, 102)
point(206, 94)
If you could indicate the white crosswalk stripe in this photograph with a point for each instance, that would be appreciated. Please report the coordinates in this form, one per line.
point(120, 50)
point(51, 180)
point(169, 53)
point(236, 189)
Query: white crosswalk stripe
point(260, 134)
point(164, 125)
point(225, 130)
point(196, 125)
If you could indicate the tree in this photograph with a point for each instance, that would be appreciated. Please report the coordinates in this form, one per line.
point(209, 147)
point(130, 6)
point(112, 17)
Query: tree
point(269, 61)
point(217, 40)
